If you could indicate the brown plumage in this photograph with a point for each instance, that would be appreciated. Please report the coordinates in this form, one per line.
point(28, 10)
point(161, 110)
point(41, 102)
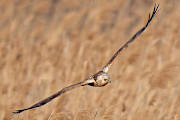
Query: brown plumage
point(99, 79)
point(48, 99)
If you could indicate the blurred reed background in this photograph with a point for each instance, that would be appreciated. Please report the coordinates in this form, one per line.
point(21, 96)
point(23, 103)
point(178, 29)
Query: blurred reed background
point(46, 45)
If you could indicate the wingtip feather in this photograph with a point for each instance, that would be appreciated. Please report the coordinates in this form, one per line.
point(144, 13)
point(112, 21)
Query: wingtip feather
point(17, 111)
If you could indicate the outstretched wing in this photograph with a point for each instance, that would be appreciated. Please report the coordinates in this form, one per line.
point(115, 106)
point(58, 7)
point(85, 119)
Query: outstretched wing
point(48, 99)
point(106, 67)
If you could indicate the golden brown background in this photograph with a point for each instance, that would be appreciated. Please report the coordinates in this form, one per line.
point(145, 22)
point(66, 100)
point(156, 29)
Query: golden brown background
point(46, 45)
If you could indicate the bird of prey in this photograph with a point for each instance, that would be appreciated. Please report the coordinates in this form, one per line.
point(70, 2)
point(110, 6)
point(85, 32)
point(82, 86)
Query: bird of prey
point(99, 79)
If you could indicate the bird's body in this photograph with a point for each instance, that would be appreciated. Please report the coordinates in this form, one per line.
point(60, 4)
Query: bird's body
point(99, 79)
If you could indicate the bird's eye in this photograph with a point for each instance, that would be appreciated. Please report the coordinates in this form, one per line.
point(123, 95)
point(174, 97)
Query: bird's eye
point(106, 79)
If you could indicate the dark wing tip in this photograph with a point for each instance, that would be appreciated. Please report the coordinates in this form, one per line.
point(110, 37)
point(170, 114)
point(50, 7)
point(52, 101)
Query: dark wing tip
point(18, 111)
point(156, 8)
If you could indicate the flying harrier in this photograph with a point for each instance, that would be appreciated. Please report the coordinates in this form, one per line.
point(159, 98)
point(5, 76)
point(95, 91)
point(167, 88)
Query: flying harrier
point(98, 79)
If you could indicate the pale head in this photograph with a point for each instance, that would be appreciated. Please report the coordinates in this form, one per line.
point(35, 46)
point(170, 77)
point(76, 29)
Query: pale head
point(101, 79)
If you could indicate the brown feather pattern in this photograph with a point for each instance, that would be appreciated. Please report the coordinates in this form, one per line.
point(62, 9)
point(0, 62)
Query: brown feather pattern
point(48, 99)
point(99, 79)
point(106, 67)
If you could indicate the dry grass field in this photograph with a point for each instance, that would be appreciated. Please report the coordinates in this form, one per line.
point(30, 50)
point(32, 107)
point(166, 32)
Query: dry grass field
point(46, 45)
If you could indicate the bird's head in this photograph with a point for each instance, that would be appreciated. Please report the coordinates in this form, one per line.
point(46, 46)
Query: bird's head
point(102, 79)
point(105, 77)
